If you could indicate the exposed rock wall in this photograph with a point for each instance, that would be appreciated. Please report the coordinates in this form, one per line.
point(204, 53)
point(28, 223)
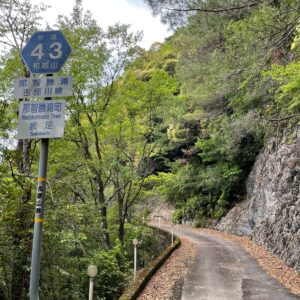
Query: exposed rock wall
point(271, 212)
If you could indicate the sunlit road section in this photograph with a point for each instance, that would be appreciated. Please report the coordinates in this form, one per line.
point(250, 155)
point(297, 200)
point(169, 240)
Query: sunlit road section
point(224, 271)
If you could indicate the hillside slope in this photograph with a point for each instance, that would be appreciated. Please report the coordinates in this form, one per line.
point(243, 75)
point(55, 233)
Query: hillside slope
point(270, 214)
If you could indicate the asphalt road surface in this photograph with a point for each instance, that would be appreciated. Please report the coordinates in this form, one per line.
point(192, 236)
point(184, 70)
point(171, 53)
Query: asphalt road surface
point(223, 271)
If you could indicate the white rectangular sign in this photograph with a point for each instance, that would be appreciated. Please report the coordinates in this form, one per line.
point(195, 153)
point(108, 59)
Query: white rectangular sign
point(41, 120)
point(43, 87)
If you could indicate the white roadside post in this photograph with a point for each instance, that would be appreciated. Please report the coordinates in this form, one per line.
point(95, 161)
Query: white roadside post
point(92, 272)
point(135, 243)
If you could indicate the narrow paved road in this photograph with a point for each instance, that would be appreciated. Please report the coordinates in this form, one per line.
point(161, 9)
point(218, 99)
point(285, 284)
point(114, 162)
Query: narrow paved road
point(223, 271)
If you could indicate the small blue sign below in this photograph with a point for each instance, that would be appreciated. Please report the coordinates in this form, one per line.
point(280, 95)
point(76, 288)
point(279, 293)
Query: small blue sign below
point(46, 52)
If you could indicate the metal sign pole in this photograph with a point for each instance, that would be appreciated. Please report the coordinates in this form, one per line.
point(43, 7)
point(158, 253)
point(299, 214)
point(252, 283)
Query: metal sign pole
point(39, 219)
point(38, 222)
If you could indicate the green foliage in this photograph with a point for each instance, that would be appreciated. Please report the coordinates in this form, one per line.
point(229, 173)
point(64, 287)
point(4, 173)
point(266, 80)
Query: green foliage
point(109, 137)
point(289, 85)
point(205, 186)
point(296, 42)
point(184, 120)
point(112, 277)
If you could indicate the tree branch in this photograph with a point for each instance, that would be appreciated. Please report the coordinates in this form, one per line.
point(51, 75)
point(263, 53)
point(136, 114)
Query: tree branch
point(217, 10)
point(283, 119)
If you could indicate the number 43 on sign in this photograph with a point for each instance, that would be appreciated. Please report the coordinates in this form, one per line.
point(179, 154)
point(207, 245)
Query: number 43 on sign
point(46, 52)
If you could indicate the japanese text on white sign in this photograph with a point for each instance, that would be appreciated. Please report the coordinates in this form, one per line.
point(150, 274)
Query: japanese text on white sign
point(43, 87)
point(44, 119)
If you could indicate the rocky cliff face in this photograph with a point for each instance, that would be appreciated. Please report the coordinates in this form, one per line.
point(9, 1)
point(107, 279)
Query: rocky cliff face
point(271, 212)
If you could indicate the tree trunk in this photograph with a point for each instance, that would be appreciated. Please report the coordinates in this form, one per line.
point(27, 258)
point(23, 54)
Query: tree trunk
point(121, 219)
point(103, 210)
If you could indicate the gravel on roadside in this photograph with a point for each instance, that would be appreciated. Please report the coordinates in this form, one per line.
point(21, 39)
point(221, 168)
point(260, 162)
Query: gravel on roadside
point(167, 283)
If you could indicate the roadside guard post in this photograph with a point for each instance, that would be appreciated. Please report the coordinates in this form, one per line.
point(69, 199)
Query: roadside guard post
point(45, 53)
point(92, 272)
point(135, 242)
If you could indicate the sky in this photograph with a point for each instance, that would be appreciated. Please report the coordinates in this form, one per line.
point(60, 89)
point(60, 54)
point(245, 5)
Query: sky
point(108, 12)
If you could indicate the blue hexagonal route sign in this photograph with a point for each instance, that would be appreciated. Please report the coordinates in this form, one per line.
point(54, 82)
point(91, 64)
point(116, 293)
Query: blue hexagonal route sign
point(46, 52)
